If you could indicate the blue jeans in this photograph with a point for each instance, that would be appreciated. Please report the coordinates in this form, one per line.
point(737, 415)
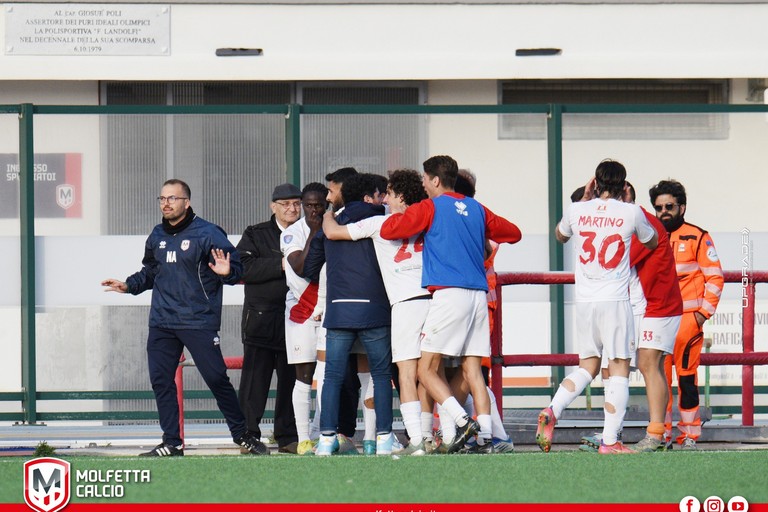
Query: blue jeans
point(378, 346)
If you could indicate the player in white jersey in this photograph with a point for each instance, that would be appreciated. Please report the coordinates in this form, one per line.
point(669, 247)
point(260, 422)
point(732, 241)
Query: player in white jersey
point(603, 229)
point(301, 334)
point(400, 264)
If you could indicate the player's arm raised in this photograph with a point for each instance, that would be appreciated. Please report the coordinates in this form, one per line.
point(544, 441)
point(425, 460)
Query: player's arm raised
point(417, 218)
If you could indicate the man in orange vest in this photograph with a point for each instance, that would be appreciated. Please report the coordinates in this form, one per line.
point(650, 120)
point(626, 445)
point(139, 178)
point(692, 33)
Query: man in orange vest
point(701, 282)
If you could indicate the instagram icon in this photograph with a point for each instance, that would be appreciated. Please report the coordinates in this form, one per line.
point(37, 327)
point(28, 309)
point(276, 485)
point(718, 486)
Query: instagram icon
point(713, 504)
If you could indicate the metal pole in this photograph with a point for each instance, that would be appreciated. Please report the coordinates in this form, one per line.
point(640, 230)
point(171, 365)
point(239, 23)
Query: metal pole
point(556, 292)
point(748, 372)
point(293, 144)
point(27, 243)
point(497, 358)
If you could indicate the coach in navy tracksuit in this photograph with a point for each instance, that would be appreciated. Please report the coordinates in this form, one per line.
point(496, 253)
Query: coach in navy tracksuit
point(186, 262)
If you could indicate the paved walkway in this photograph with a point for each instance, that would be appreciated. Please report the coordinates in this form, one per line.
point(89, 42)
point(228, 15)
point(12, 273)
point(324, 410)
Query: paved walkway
point(97, 439)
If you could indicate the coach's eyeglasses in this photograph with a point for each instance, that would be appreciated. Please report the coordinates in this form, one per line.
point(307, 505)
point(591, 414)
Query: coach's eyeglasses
point(288, 205)
point(668, 207)
point(169, 199)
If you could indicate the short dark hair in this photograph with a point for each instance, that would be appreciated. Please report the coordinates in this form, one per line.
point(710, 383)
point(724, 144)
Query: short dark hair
point(671, 187)
point(380, 182)
point(445, 168)
point(339, 175)
point(407, 182)
point(632, 194)
point(314, 187)
point(578, 194)
point(464, 186)
point(356, 187)
point(184, 186)
point(610, 177)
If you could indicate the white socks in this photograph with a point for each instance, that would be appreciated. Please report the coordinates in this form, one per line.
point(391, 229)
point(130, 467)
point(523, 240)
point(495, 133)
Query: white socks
point(563, 398)
point(447, 423)
point(319, 377)
point(497, 423)
point(411, 412)
point(302, 398)
point(616, 398)
point(427, 421)
point(369, 415)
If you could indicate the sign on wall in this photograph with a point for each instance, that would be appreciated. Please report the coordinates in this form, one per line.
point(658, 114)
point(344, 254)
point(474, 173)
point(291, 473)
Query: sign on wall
point(87, 29)
point(58, 189)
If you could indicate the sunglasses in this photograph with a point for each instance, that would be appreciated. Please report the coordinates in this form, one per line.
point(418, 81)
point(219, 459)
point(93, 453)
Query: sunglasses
point(668, 207)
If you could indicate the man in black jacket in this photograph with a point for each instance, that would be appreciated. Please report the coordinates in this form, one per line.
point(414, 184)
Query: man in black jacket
point(263, 326)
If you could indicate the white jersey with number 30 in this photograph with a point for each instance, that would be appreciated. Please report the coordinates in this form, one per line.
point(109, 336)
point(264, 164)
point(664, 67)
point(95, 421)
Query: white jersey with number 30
point(602, 230)
point(399, 260)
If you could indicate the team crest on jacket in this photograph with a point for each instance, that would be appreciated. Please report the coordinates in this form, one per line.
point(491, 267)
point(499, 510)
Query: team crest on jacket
point(461, 208)
point(184, 245)
point(287, 238)
point(162, 244)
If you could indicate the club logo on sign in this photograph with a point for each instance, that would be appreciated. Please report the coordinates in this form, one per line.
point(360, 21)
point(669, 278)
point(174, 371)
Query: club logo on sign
point(46, 484)
point(65, 196)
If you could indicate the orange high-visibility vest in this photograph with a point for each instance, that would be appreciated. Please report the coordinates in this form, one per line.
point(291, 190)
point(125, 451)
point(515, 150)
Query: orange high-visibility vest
point(698, 269)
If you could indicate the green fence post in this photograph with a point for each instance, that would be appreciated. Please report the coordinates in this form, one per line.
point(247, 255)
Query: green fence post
point(293, 144)
point(27, 243)
point(556, 292)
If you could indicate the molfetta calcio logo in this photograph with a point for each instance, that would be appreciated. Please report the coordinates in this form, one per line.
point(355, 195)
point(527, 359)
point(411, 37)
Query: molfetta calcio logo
point(46, 484)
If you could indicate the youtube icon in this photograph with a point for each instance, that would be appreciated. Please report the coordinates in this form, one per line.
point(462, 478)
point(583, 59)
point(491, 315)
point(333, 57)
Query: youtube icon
point(738, 504)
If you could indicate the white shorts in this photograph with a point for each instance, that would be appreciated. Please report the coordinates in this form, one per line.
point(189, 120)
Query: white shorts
point(301, 341)
point(407, 320)
point(457, 323)
point(321, 339)
point(605, 328)
point(632, 360)
point(659, 333)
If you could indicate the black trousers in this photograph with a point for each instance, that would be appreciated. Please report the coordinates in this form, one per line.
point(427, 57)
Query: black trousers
point(258, 365)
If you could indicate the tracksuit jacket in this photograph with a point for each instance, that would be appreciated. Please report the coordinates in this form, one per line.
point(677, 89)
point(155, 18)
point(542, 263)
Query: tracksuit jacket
point(186, 293)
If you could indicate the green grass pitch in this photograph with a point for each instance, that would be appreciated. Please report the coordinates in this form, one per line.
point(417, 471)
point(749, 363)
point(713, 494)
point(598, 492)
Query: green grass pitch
point(530, 477)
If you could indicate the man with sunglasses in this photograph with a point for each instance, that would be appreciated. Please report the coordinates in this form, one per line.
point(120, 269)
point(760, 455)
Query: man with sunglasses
point(263, 325)
point(701, 282)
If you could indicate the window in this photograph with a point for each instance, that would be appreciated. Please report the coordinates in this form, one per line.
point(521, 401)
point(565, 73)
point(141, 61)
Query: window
point(617, 126)
point(231, 162)
point(369, 143)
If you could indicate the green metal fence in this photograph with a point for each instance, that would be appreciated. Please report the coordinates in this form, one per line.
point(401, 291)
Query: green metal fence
point(31, 396)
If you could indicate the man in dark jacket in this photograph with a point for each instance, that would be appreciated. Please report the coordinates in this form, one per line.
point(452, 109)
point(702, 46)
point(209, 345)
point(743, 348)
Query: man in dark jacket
point(356, 307)
point(264, 320)
point(186, 262)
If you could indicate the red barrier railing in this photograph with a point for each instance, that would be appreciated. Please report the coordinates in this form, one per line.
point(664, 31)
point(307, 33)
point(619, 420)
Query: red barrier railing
point(748, 358)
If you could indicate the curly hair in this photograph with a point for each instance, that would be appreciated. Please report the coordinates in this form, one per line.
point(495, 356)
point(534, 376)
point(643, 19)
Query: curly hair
point(314, 187)
point(671, 187)
point(407, 182)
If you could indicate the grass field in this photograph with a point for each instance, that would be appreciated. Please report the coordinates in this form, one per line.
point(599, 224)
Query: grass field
point(559, 477)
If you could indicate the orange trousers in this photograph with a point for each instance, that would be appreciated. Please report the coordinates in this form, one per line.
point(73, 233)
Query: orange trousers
point(686, 358)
